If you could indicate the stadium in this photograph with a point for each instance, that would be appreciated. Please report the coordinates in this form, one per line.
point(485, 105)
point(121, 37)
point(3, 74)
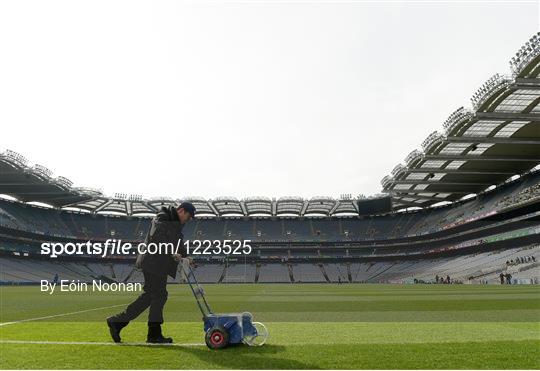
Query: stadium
point(439, 270)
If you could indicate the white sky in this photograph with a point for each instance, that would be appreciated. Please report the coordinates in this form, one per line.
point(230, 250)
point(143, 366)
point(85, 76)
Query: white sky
point(242, 98)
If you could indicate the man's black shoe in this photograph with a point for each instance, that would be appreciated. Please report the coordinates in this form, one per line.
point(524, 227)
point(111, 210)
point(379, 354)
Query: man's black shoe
point(114, 329)
point(159, 340)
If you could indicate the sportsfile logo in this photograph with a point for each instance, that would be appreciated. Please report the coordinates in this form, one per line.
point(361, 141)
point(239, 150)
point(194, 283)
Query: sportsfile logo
point(118, 247)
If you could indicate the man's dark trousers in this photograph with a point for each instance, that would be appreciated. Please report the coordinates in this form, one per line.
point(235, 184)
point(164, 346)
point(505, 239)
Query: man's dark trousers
point(154, 296)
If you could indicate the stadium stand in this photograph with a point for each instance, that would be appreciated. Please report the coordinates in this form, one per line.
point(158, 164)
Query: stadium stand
point(51, 222)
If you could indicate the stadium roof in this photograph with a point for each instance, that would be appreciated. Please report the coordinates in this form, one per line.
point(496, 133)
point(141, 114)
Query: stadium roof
point(495, 139)
point(36, 184)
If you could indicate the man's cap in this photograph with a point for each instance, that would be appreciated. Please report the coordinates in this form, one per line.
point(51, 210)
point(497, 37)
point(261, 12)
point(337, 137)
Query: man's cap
point(188, 207)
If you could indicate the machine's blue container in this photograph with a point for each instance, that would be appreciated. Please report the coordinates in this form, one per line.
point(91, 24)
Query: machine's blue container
point(238, 325)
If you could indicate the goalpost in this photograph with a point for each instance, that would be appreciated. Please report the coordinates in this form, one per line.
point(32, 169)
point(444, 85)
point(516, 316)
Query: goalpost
point(238, 278)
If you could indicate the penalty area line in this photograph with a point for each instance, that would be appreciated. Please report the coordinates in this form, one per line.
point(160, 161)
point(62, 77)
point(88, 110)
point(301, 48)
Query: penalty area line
point(60, 315)
point(45, 342)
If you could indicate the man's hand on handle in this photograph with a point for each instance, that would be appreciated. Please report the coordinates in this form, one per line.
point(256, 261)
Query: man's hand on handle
point(185, 262)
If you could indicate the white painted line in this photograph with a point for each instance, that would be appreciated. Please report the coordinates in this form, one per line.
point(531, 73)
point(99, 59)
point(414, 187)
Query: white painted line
point(98, 343)
point(60, 315)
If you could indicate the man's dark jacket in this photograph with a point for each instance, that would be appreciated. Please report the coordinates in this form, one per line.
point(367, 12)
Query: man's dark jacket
point(165, 228)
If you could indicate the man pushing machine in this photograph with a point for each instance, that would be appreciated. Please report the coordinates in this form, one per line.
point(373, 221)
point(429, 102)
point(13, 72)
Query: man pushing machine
point(166, 227)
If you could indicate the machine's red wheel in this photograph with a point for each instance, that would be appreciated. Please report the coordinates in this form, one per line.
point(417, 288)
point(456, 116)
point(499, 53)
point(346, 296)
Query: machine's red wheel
point(217, 338)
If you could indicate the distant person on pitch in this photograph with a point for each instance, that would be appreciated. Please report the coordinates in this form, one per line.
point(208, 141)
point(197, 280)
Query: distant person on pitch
point(166, 227)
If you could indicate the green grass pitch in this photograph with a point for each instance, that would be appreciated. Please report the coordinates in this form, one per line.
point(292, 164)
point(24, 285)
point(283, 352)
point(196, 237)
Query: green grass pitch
point(311, 326)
